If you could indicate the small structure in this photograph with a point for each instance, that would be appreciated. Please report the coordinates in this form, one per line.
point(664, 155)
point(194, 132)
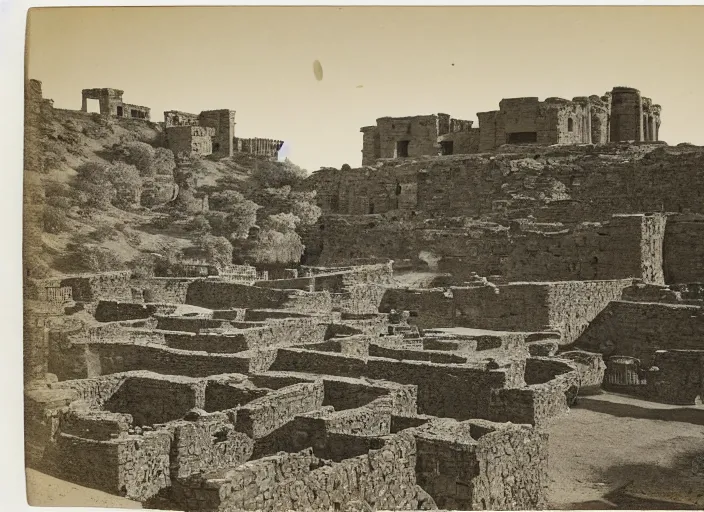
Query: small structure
point(212, 132)
point(398, 137)
point(111, 104)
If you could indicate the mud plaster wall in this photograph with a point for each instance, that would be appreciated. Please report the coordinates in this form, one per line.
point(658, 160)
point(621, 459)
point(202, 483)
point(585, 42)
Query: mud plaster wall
point(639, 329)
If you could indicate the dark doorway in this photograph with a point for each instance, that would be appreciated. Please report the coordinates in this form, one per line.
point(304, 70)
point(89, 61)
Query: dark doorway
point(522, 137)
point(446, 147)
point(120, 112)
point(402, 149)
point(216, 147)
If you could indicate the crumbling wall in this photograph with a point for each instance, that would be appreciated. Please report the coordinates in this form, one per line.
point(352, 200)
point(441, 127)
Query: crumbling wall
point(94, 287)
point(383, 478)
point(190, 140)
point(224, 295)
point(677, 377)
point(136, 466)
point(683, 249)
point(156, 398)
point(479, 465)
point(638, 329)
point(428, 307)
point(169, 290)
point(264, 415)
point(207, 444)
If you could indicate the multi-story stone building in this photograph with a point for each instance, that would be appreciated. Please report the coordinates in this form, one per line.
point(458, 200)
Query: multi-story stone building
point(620, 115)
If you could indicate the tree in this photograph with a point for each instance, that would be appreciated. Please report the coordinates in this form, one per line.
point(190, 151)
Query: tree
point(275, 247)
point(308, 213)
point(216, 250)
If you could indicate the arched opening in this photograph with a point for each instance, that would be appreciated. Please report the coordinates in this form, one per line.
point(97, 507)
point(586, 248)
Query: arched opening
point(570, 124)
point(398, 189)
point(371, 208)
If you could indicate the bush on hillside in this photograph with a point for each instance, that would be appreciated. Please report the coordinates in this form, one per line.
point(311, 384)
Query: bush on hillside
point(139, 154)
point(199, 224)
point(216, 250)
point(90, 258)
point(278, 174)
point(273, 247)
point(127, 183)
point(164, 162)
point(35, 267)
point(102, 185)
point(55, 220)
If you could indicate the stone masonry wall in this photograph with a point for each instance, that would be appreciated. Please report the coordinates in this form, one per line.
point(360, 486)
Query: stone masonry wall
point(638, 329)
point(383, 478)
point(262, 416)
point(224, 295)
point(683, 249)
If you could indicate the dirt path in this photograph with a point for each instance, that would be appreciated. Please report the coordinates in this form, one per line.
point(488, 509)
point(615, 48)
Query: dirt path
point(609, 445)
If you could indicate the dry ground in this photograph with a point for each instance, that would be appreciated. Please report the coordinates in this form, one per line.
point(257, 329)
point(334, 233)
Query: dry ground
point(609, 452)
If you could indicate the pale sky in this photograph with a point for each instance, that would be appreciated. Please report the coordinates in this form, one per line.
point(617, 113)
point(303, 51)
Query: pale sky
point(377, 61)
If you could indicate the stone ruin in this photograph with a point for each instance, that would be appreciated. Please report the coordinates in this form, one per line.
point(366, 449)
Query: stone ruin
point(212, 132)
point(620, 115)
point(543, 274)
point(286, 394)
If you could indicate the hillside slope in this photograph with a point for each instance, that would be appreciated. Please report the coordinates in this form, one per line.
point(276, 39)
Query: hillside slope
point(170, 213)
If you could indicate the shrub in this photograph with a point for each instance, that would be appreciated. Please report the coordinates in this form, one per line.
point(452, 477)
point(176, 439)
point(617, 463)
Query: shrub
point(55, 220)
point(104, 233)
point(278, 174)
point(143, 266)
point(308, 213)
point(91, 258)
point(35, 267)
point(275, 247)
point(164, 162)
point(139, 154)
point(199, 224)
point(216, 250)
point(282, 222)
point(93, 183)
point(127, 184)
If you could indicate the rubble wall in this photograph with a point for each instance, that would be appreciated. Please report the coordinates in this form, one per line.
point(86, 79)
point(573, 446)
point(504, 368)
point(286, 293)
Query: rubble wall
point(638, 329)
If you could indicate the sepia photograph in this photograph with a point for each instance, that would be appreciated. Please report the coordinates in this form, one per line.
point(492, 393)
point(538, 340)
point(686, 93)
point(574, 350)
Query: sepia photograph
point(363, 258)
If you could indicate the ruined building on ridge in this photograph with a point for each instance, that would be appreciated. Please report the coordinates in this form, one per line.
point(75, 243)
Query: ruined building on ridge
point(111, 104)
point(212, 132)
point(620, 115)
